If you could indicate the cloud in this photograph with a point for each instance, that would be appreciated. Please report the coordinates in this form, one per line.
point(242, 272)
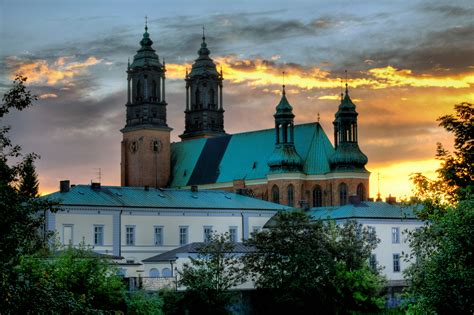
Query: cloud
point(61, 71)
point(48, 95)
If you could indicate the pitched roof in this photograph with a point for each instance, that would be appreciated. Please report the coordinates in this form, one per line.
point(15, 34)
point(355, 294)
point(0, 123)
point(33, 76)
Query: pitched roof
point(244, 156)
point(116, 196)
point(364, 210)
point(192, 248)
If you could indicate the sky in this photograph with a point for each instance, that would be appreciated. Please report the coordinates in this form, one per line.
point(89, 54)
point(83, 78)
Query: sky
point(407, 62)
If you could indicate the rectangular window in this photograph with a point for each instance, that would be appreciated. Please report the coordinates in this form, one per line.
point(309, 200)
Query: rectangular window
point(99, 235)
point(396, 262)
point(67, 234)
point(373, 262)
point(183, 235)
point(130, 235)
point(395, 235)
point(233, 233)
point(207, 233)
point(158, 235)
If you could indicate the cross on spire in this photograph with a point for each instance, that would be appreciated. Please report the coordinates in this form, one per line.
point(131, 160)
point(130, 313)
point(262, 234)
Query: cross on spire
point(346, 82)
point(283, 85)
point(203, 34)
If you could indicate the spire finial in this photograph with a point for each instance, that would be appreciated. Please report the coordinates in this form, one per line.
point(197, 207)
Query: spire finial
point(203, 34)
point(347, 90)
point(129, 62)
point(342, 94)
point(319, 117)
point(146, 23)
point(283, 85)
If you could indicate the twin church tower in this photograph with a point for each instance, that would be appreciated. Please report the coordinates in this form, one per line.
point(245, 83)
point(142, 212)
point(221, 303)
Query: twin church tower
point(205, 155)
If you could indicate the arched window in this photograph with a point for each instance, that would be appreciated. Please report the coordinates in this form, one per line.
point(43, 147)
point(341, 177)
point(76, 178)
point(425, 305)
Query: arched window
point(317, 196)
point(198, 98)
point(153, 89)
point(361, 192)
point(154, 273)
point(275, 194)
point(342, 194)
point(139, 89)
point(291, 196)
point(212, 103)
point(166, 272)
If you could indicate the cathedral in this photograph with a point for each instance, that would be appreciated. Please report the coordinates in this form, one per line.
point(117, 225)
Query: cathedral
point(294, 165)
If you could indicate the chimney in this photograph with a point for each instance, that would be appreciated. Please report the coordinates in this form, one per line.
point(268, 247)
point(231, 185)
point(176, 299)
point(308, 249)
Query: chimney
point(95, 186)
point(354, 200)
point(194, 188)
point(391, 200)
point(64, 186)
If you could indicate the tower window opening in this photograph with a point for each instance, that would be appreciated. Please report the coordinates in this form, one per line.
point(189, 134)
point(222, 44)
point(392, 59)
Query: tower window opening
point(291, 195)
point(361, 192)
point(275, 194)
point(317, 197)
point(343, 194)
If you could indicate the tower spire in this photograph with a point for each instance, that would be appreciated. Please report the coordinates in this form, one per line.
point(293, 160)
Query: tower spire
point(347, 90)
point(146, 23)
point(203, 34)
point(283, 85)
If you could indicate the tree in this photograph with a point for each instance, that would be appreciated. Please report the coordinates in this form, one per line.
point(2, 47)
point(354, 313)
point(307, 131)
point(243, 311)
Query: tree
point(306, 267)
point(209, 277)
point(442, 275)
point(21, 215)
point(29, 179)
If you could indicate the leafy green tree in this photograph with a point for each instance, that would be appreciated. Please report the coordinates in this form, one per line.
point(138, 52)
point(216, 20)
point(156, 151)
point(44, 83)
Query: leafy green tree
point(441, 276)
point(22, 217)
point(313, 267)
point(209, 277)
point(29, 179)
point(144, 303)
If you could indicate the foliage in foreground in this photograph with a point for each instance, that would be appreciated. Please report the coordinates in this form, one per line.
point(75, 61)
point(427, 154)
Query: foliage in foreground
point(441, 278)
point(307, 267)
point(209, 277)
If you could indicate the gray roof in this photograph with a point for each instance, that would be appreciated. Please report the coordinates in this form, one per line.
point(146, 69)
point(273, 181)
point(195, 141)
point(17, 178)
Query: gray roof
point(192, 248)
point(366, 210)
point(116, 196)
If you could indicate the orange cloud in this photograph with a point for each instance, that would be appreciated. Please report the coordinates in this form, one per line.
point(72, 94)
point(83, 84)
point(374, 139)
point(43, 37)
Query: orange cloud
point(40, 71)
point(48, 95)
point(261, 72)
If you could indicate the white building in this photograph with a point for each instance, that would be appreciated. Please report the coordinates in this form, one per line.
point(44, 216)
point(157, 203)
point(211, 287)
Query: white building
point(138, 223)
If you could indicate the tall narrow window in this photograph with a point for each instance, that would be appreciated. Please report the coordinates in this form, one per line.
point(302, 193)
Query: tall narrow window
point(183, 235)
point(99, 235)
point(396, 262)
point(207, 233)
point(361, 192)
point(130, 235)
point(343, 194)
point(291, 196)
point(275, 194)
point(233, 233)
point(317, 197)
point(395, 235)
point(153, 89)
point(198, 98)
point(158, 235)
point(139, 89)
point(212, 103)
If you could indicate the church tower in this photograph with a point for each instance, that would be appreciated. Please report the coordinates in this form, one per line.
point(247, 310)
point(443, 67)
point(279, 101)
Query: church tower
point(284, 158)
point(146, 136)
point(348, 156)
point(204, 114)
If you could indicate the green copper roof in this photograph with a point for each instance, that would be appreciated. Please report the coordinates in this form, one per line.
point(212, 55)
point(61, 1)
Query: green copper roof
point(203, 65)
point(284, 108)
point(116, 196)
point(364, 210)
point(146, 55)
point(285, 159)
point(246, 155)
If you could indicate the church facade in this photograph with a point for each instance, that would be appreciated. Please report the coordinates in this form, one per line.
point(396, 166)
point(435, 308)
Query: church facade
point(294, 165)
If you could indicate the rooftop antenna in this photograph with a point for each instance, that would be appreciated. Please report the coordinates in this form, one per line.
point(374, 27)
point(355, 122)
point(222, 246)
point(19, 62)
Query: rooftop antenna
point(99, 174)
point(378, 187)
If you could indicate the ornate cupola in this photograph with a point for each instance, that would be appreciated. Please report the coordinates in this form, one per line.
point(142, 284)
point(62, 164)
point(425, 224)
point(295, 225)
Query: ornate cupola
point(348, 156)
point(146, 136)
point(284, 158)
point(204, 109)
point(146, 103)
